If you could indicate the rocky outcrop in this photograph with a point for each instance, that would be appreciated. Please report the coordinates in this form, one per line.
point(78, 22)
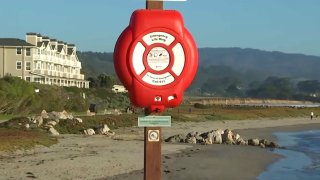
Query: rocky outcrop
point(60, 115)
point(219, 136)
point(58, 122)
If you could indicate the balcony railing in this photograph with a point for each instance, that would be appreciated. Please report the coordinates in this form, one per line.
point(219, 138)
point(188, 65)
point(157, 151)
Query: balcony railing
point(63, 61)
point(59, 74)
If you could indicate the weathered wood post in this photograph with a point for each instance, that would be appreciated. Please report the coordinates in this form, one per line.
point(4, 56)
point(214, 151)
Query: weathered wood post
point(152, 149)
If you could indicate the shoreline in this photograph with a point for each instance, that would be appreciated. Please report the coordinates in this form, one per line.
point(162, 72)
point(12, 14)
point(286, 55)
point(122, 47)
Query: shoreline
point(221, 161)
point(100, 157)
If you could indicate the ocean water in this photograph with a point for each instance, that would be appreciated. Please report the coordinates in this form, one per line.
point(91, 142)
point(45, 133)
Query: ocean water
point(301, 158)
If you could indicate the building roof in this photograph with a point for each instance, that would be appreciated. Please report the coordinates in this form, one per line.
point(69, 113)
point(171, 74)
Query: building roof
point(32, 33)
point(13, 42)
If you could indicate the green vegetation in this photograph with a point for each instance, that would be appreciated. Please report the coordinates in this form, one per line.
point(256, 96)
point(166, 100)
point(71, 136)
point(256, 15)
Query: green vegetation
point(224, 112)
point(16, 139)
point(14, 136)
point(5, 116)
point(113, 121)
point(18, 97)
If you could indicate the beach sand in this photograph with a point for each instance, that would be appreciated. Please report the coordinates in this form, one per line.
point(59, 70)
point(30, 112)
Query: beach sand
point(100, 157)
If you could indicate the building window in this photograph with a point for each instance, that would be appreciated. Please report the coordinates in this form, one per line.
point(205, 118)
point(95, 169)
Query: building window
point(19, 50)
point(28, 66)
point(28, 51)
point(18, 65)
point(37, 79)
point(28, 78)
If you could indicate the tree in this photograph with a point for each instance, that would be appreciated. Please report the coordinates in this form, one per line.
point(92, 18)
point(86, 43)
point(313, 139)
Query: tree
point(273, 87)
point(309, 86)
point(106, 81)
point(93, 82)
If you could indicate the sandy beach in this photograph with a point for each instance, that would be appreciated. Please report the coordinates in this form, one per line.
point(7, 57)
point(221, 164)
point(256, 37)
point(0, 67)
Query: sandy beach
point(100, 157)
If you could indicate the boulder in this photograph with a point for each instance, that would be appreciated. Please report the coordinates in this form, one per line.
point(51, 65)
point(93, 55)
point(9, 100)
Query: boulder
point(265, 142)
point(44, 114)
point(220, 131)
point(60, 115)
point(175, 139)
point(217, 137)
point(209, 139)
point(53, 115)
point(27, 126)
point(262, 145)
point(235, 136)
point(205, 138)
point(52, 123)
point(191, 140)
point(53, 131)
point(241, 141)
point(89, 132)
point(253, 142)
point(39, 120)
point(79, 120)
point(227, 137)
point(66, 114)
point(192, 134)
point(103, 129)
point(110, 133)
point(273, 145)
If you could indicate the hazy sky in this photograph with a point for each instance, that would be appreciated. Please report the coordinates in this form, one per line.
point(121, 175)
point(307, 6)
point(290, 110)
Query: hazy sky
point(275, 25)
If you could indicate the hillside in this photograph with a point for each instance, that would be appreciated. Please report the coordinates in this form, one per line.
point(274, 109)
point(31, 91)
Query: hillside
point(249, 61)
point(227, 68)
point(95, 63)
point(265, 62)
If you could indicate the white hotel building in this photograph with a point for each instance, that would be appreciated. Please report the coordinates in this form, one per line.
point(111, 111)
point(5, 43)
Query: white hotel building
point(42, 60)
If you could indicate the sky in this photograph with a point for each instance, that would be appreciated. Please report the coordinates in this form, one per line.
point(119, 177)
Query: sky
point(290, 26)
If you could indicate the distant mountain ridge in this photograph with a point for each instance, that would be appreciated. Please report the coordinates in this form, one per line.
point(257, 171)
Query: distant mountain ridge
point(252, 62)
point(265, 62)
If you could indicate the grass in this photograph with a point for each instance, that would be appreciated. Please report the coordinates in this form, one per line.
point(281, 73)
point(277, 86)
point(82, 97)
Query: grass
point(13, 137)
point(6, 116)
point(17, 139)
point(113, 121)
point(220, 112)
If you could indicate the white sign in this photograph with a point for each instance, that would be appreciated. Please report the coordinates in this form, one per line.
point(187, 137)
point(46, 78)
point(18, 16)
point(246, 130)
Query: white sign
point(158, 37)
point(158, 79)
point(153, 135)
point(158, 58)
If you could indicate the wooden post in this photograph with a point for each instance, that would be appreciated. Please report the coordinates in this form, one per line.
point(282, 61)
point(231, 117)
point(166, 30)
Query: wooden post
point(154, 4)
point(152, 149)
point(152, 156)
